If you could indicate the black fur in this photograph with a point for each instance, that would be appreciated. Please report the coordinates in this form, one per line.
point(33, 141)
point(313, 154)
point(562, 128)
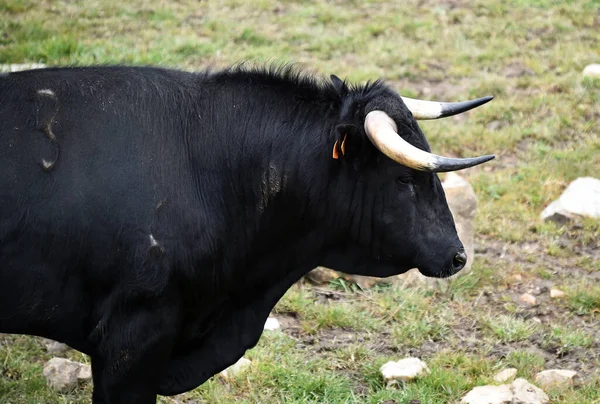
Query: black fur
point(181, 206)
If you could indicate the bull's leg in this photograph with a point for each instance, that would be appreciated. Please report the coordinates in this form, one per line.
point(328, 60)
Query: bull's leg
point(97, 369)
point(132, 353)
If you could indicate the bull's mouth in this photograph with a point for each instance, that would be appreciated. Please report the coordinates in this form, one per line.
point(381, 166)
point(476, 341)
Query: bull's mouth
point(455, 264)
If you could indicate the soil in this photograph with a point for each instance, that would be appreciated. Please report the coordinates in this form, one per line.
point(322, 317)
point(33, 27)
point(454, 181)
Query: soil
point(467, 334)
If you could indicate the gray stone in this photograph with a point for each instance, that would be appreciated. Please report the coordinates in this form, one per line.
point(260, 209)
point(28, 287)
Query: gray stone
point(555, 378)
point(580, 198)
point(526, 393)
point(63, 374)
point(55, 348)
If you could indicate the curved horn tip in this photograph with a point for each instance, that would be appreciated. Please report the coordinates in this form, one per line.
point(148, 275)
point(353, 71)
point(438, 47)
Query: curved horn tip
point(445, 164)
point(454, 108)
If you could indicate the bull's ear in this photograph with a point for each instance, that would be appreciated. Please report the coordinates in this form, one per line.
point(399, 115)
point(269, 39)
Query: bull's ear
point(348, 141)
point(339, 85)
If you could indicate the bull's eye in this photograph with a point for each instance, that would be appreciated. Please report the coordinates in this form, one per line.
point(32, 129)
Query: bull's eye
point(404, 180)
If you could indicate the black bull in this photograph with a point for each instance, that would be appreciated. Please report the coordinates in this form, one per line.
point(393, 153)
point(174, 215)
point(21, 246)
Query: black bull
point(152, 218)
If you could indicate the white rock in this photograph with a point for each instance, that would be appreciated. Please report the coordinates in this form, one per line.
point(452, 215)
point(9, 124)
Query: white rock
point(489, 395)
point(64, 374)
point(555, 378)
point(236, 368)
point(7, 68)
point(518, 392)
point(592, 70)
point(505, 375)
point(404, 370)
point(556, 293)
point(272, 324)
point(580, 198)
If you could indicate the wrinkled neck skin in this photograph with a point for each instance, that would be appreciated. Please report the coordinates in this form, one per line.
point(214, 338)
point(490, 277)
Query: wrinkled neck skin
point(284, 226)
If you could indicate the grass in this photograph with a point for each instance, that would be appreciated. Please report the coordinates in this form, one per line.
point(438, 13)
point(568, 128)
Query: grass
point(542, 125)
point(510, 329)
point(584, 298)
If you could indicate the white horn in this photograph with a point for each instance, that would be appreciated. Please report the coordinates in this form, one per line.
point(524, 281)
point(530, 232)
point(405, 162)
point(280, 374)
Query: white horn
point(382, 131)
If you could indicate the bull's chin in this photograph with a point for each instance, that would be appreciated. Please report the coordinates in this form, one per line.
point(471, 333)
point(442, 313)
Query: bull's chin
point(359, 265)
point(437, 273)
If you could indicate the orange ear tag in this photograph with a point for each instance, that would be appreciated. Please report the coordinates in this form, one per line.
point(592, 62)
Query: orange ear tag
point(343, 148)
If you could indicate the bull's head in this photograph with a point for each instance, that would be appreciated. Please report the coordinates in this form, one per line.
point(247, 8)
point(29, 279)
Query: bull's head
point(401, 219)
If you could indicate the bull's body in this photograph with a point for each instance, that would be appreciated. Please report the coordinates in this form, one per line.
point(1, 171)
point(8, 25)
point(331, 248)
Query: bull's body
point(152, 218)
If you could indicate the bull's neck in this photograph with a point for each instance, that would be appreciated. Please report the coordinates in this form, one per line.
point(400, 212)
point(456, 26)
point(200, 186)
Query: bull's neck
point(285, 191)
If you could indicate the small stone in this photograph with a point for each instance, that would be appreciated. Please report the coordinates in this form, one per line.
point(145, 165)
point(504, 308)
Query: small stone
point(517, 277)
point(404, 369)
point(365, 282)
point(322, 275)
point(236, 368)
point(555, 378)
point(544, 286)
point(495, 125)
point(594, 276)
point(528, 299)
point(557, 293)
point(505, 375)
point(592, 70)
point(272, 324)
point(63, 374)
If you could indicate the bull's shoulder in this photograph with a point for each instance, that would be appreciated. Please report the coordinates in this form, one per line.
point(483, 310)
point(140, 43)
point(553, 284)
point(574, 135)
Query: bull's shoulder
point(237, 328)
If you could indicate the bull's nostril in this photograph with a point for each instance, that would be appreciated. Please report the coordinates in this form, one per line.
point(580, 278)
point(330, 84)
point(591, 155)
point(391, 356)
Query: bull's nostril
point(459, 260)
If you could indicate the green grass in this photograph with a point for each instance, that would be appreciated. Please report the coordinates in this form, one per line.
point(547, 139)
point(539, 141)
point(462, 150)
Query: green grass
point(584, 298)
point(568, 338)
point(527, 363)
point(510, 329)
point(542, 126)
